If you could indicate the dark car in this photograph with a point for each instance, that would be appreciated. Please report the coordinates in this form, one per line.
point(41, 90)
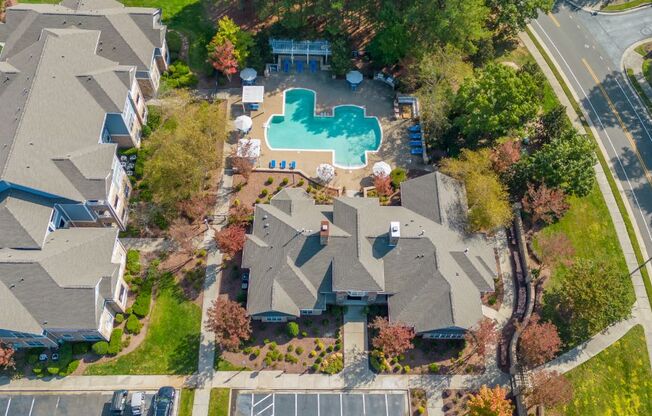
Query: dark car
point(119, 402)
point(164, 401)
point(245, 280)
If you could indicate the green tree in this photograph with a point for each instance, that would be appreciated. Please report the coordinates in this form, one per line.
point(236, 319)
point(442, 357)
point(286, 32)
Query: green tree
point(341, 57)
point(565, 163)
point(511, 16)
point(592, 296)
point(390, 44)
point(488, 200)
point(242, 40)
point(497, 101)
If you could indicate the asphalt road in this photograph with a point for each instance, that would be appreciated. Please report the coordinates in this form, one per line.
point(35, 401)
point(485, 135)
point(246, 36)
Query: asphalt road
point(589, 50)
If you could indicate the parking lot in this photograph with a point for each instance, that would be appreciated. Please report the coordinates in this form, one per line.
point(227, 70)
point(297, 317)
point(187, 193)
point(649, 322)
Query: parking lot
point(93, 404)
point(320, 404)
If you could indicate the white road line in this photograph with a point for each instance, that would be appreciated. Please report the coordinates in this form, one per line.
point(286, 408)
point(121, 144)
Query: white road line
point(252, 404)
point(31, 408)
point(604, 130)
point(273, 404)
point(386, 406)
point(634, 108)
point(8, 405)
point(318, 411)
point(295, 405)
point(270, 405)
point(58, 400)
point(341, 408)
point(364, 409)
point(261, 400)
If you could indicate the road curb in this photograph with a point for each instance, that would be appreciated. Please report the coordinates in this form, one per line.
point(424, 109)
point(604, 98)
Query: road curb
point(608, 13)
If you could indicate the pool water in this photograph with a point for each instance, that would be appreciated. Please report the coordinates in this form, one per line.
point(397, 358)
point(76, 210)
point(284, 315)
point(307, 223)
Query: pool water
point(348, 132)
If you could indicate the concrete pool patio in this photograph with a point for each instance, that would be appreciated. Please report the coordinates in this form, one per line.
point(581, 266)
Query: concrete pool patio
point(375, 97)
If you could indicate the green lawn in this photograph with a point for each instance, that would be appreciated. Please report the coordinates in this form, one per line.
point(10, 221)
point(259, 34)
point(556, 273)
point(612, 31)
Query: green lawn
point(624, 6)
point(618, 381)
point(219, 402)
point(224, 365)
point(647, 70)
point(171, 345)
point(186, 401)
point(588, 225)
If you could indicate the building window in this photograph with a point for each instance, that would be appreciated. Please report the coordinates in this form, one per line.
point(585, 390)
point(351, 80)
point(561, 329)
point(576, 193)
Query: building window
point(274, 319)
point(123, 293)
point(35, 343)
point(306, 311)
point(92, 337)
point(356, 293)
point(67, 336)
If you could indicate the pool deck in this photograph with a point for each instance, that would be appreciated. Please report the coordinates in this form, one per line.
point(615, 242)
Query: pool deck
point(373, 95)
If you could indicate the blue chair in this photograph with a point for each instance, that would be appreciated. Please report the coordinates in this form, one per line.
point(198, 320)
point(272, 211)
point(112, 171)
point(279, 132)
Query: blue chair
point(282, 165)
point(415, 143)
point(299, 66)
point(415, 136)
point(272, 164)
point(286, 65)
point(254, 106)
point(416, 150)
point(314, 66)
point(293, 165)
point(415, 129)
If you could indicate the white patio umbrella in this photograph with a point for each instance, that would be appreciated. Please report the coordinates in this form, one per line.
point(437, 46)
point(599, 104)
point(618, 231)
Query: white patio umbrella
point(243, 123)
point(248, 74)
point(325, 172)
point(354, 77)
point(381, 168)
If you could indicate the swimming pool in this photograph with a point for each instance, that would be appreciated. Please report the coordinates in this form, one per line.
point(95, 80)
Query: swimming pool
point(348, 132)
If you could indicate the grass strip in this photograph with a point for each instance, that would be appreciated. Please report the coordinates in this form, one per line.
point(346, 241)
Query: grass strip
point(186, 402)
point(219, 402)
point(624, 6)
point(639, 89)
point(605, 167)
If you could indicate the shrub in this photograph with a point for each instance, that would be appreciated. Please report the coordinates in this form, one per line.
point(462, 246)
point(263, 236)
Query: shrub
point(279, 188)
point(115, 343)
point(119, 318)
point(257, 201)
point(304, 334)
point(318, 360)
point(309, 189)
point(315, 367)
point(37, 371)
point(406, 369)
point(65, 354)
point(312, 353)
point(298, 351)
point(179, 75)
point(289, 358)
point(285, 181)
point(398, 175)
point(256, 352)
point(133, 325)
point(421, 410)
point(100, 347)
point(72, 366)
point(133, 262)
point(320, 346)
point(334, 364)
point(269, 181)
point(268, 361)
point(330, 348)
point(266, 341)
point(53, 370)
point(301, 182)
point(247, 350)
point(264, 193)
point(293, 329)
point(290, 348)
point(272, 345)
point(141, 305)
point(433, 367)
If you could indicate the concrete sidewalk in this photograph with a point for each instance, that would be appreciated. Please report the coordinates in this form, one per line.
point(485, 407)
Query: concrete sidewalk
point(354, 334)
point(91, 383)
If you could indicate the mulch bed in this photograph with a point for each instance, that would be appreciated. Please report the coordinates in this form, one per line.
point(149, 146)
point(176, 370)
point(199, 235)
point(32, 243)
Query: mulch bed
point(418, 402)
point(313, 330)
point(258, 189)
point(455, 402)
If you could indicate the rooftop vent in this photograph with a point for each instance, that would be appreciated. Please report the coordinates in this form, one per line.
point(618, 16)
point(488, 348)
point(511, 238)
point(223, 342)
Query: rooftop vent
point(324, 233)
point(394, 232)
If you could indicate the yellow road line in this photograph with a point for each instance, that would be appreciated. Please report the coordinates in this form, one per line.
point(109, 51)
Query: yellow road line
point(630, 138)
point(554, 19)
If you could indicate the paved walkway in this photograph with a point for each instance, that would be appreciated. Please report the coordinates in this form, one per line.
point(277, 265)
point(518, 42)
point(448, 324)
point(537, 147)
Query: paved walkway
point(354, 337)
point(641, 308)
point(147, 244)
point(91, 383)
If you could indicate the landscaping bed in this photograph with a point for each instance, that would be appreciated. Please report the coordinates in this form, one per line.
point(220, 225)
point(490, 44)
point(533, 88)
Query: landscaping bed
point(272, 347)
point(418, 402)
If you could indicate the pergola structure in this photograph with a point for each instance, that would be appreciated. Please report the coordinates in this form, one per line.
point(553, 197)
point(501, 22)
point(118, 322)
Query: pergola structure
point(252, 97)
point(307, 48)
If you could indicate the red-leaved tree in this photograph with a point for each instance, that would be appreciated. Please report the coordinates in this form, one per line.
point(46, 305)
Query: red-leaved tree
point(393, 338)
point(544, 204)
point(539, 342)
point(554, 249)
point(6, 356)
point(223, 58)
point(230, 323)
point(505, 155)
point(383, 185)
point(490, 402)
point(240, 215)
point(482, 335)
point(549, 389)
point(240, 161)
point(230, 239)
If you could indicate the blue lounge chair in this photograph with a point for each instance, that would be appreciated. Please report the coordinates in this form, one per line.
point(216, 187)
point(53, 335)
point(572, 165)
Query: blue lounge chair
point(416, 143)
point(415, 129)
point(299, 66)
point(254, 106)
point(293, 165)
point(314, 65)
point(416, 151)
point(282, 164)
point(286, 65)
point(415, 136)
point(272, 164)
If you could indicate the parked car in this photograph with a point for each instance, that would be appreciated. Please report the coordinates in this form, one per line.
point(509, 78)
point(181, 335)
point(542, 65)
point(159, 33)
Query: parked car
point(164, 401)
point(138, 403)
point(119, 402)
point(245, 280)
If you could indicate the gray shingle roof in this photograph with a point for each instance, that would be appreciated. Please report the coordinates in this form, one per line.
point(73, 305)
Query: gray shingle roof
point(51, 129)
point(129, 35)
point(24, 219)
point(433, 275)
point(57, 284)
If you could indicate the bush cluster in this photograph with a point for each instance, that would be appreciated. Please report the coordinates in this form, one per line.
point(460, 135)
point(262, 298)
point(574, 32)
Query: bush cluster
point(293, 329)
point(133, 325)
point(115, 342)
